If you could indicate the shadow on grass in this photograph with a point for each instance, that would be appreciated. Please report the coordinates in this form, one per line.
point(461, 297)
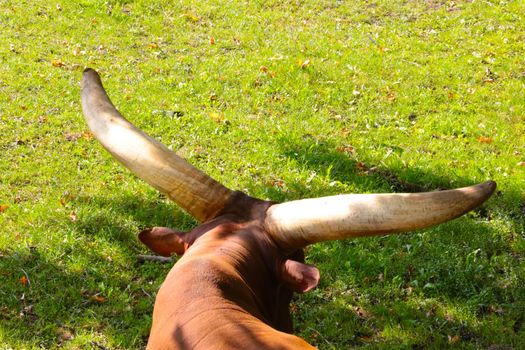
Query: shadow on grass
point(426, 289)
point(453, 283)
point(92, 284)
point(324, 157)
point(46, 303)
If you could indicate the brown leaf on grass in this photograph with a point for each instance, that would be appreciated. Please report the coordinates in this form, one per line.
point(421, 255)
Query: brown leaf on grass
point(361, 166)
point(453, 339)
point(99, 299)
point(390, 95)
point(366, 339)
point(72, 136)
point(153, 46)
point(345, 149)
point(3, 207)
point(521, 164)
point(279, 183)
point(87, 135)
point(484, 139)
point(362, 313)
point(57, 63)
point(410, 270)
point(212, 41)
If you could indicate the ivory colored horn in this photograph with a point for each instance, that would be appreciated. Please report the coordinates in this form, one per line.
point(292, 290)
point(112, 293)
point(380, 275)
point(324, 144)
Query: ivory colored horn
point(197, 193)
point(302, 222)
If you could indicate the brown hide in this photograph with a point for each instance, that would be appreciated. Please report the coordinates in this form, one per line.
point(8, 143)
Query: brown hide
point(231, 289)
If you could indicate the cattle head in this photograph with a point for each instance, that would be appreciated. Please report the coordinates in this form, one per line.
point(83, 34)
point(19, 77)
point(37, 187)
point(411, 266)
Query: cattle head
point(248, 252)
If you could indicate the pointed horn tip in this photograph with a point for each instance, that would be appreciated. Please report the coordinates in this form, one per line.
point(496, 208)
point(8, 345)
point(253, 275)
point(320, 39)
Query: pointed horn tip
point(88, 70)
point(488, 187)
point(90, 74)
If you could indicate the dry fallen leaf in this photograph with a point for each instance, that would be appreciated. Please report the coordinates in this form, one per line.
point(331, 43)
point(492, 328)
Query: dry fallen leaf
point(57, 63)
point(87, 135)
point(99, 299)
point(366, 339)
point(391, 95)
point(3, 207)
point(345, 149)
point(361, 312)
point(153, 46)
point(279, 183)
point(519, 164)
point(484, 139)
point(453, 339)
point(212, 41)
point(72, 136)
point(361, 166)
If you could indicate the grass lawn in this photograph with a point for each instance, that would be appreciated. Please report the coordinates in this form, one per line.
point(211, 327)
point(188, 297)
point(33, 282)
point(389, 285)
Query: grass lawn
point(284, 100)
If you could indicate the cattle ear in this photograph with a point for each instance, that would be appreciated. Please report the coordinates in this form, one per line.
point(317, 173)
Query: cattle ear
point(300, 277)
point(164, 240)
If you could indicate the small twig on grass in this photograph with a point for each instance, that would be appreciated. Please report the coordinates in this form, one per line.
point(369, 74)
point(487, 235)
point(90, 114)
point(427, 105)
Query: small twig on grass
point(372, 40)
point(161, 259)
point(149, 295)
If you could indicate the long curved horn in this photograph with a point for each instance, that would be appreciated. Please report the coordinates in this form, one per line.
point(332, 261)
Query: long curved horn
point(300, 223)
point(194, 191)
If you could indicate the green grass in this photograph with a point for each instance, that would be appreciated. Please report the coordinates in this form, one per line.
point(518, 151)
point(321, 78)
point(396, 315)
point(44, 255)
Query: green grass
point(292, 99)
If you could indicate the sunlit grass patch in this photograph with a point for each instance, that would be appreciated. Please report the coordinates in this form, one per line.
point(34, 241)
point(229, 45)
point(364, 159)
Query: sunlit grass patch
point(284, 100)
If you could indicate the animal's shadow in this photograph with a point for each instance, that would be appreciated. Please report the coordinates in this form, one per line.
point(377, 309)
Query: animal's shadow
point(367, 284)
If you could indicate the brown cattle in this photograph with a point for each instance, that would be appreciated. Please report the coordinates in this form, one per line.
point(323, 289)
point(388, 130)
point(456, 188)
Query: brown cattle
point(232, 287)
